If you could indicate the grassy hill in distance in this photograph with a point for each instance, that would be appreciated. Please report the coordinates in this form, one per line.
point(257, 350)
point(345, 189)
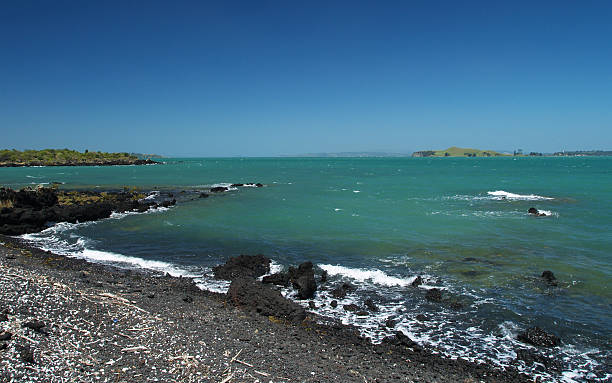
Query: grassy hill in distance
point(66, 157)
point(459, 152)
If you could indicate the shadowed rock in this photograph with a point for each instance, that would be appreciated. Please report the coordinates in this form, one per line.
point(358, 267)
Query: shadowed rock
point(417, 281)
point(538, 337)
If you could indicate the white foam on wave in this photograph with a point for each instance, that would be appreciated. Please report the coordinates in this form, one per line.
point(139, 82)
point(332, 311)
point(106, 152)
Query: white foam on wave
point(374, 275)
point(502, 194)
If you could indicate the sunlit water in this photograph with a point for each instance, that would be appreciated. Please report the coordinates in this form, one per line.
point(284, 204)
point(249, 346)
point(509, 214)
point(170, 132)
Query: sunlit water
point(378, 223)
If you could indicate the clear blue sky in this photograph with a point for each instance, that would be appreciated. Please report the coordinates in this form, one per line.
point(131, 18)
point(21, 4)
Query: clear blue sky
point(260, 78)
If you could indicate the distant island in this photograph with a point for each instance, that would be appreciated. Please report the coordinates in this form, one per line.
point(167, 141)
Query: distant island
point(67, 157)
point(459, 152)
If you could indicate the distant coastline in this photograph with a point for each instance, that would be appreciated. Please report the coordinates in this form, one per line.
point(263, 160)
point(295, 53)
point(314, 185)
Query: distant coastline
point(66, 157)
point(468, 152)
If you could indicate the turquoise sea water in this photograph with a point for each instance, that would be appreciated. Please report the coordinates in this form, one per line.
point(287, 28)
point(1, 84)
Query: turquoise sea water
point(379, 222)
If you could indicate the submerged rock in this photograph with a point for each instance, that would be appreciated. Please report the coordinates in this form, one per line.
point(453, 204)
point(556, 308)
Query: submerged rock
point(399, 339)
point(251, 266)
point(265, 300)
point(538, 337)
point(36, 325)
point(434, 295)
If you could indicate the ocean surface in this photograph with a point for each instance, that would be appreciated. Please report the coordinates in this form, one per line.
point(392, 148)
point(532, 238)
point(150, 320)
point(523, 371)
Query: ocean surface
point(378, 223)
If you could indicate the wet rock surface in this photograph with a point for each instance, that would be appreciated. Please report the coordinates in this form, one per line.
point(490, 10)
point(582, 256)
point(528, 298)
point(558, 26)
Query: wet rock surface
point(303, 280)
point(104, 327)
point(538, 337)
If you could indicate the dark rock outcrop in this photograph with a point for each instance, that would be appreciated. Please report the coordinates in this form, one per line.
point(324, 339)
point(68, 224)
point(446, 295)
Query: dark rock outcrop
point(538, 337)
point(303, 280)
point(549, 277)
point(263, 299)
point(249, 266)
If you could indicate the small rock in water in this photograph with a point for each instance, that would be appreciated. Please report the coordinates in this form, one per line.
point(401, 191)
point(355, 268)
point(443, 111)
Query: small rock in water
point(334, 304)
point(312, 305)
point(3, 317)
point(549, 277)
point(456, 305)
point(538, 337)
point(3, 346)
point(417, 281)
point(203, 195)
point(390, 323)
point(36, 325)
point(341, 291)
point(351, 307)
point(371, 305)
point(434, 295)
point(421, 318)
point(6, 336)
point(362, 313)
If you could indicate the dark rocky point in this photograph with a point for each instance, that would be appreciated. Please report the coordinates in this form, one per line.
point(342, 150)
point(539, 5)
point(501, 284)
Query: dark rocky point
point(538, 337)
point(248, 293)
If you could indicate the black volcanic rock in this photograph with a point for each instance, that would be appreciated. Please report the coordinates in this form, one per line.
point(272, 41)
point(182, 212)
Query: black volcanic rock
point(549, 277)
point(251, 266)
point(280, 279)
point(263, 299)
point(303, 280)
point(538, 337)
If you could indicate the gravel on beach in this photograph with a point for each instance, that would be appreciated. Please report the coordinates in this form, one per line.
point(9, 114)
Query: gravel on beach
point(67, 320)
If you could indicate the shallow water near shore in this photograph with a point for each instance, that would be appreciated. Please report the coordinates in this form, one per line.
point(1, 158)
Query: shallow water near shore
point(378, 223)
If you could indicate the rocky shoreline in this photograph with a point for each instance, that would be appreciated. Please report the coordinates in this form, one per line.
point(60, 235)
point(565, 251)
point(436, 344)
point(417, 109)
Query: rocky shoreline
point(78, 163)
point(64, 319)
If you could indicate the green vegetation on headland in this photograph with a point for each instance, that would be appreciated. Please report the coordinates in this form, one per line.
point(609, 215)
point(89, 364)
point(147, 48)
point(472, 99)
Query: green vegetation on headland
point(66, 157)
point(458, 152)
